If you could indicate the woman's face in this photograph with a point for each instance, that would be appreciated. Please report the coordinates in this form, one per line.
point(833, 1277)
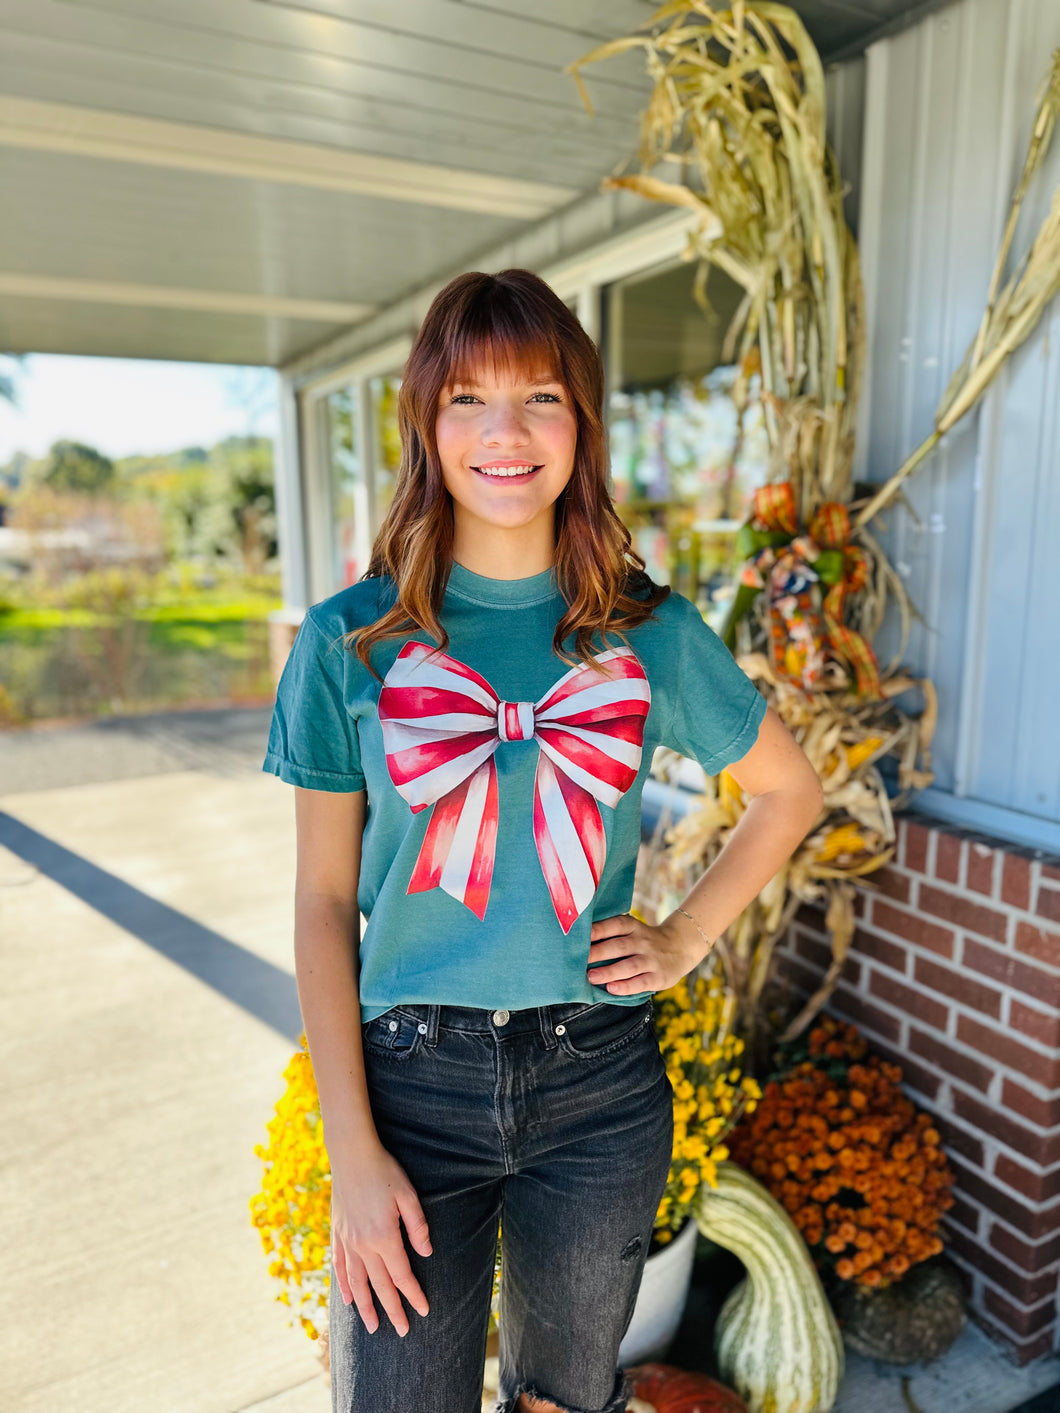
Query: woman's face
point(504, 423)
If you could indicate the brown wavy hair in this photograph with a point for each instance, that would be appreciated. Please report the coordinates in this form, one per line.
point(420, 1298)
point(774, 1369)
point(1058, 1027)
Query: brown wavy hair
point(513, 320)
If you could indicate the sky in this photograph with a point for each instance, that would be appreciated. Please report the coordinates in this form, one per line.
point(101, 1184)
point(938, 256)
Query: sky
point(124, 406)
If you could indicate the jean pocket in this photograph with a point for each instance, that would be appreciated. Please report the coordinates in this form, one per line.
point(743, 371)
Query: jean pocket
point(604, 1027)
point(394, 1034)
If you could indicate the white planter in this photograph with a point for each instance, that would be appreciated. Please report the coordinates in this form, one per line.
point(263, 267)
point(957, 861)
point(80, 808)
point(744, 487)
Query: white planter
point(661, 1299)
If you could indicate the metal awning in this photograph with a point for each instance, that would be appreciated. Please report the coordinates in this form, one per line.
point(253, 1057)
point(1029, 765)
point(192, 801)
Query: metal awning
point(236, 180)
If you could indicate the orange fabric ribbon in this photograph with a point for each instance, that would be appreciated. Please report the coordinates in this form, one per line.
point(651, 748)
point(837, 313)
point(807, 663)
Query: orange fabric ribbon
point(829, 530)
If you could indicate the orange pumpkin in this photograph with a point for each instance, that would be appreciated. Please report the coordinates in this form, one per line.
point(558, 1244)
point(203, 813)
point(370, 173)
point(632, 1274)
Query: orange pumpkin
point(672, 1390)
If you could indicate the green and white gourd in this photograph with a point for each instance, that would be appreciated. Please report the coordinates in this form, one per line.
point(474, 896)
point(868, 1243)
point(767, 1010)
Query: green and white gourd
point(776, 1340)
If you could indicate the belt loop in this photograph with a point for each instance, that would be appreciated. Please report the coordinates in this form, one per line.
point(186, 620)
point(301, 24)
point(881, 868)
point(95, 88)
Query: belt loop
point(548, 1034)
point(434, 1011)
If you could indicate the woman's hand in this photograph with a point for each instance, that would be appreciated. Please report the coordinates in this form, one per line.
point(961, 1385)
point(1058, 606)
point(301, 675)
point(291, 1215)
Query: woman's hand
point(642, 957)
point(366, 1204)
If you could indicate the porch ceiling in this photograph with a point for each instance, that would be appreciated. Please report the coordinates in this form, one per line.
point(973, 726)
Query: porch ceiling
point(236, 180)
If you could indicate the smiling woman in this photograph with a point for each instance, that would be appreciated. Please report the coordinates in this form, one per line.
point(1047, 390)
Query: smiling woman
point(496, 685)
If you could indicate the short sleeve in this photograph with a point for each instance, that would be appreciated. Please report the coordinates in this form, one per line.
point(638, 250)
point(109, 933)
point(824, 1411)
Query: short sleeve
point(717, 707)
point(313, 737)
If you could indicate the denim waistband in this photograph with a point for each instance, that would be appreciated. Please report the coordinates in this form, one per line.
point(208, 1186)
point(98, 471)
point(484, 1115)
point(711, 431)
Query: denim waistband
point(502, 1022)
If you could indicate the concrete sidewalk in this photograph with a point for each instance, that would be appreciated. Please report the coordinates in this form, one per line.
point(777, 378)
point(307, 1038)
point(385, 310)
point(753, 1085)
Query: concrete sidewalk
point(148, 1012)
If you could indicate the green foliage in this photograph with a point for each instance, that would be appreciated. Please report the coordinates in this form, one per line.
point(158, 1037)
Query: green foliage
point(72, 466)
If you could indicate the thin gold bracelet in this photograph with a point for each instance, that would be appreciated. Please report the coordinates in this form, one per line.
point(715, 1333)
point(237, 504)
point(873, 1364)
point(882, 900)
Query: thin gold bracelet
point(696, 925)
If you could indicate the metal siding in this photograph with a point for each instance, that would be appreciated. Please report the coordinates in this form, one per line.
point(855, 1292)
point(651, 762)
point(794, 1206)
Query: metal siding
point(949, 106)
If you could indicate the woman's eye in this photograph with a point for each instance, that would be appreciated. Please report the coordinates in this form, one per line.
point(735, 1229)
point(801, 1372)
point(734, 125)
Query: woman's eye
point(460, 397)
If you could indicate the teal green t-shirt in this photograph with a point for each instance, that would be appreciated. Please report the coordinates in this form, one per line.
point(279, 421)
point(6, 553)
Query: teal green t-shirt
point(504, 787)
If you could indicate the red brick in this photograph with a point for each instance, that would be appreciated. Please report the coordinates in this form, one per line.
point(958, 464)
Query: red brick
point(914, 845)
point(1051, 869)
point(1021, 1351)
point(958, 987)
point(1038, 1186)
point(948, 857)
point(801, 977)
point(1021, 1319)
point(965, 912)
point(967, 1213)
point(950, 1061)
point(956, 1139)
point(1035, 1025)
point(1048, 903)
point(1043, 1112)
point(1029, 1143)
point(812, 949)
point(860, 903)
point(999, 1045)
point(1028, 1290)
point(812, 916)
point(818, 954)
point(1044, 986)
point(1041, 943)
point(1016, 881)
point(979, 868)
point(853, 1006)
point(1022, 1253)
point(912, 1003)
point(913, 928)
point(868, 944)
point(1037, 1348)
point(889, 882)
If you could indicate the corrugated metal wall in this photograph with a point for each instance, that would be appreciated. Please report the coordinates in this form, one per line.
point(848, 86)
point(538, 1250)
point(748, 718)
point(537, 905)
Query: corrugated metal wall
point(949, 107)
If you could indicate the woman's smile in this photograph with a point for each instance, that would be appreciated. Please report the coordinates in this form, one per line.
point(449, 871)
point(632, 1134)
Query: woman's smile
point(507, 470)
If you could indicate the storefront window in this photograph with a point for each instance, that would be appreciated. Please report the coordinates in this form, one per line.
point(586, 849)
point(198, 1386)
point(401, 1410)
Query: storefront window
point(345, 480)
point(688, 444)
point(386, 442)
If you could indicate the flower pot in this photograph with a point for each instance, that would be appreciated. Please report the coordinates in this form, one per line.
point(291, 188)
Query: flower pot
point(661, 1299)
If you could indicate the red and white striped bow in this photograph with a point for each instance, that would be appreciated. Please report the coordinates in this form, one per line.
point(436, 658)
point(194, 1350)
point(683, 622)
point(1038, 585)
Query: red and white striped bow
point(442, 722)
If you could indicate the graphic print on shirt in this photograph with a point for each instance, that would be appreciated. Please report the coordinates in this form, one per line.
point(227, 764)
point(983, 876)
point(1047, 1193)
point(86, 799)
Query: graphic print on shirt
point(442, 723)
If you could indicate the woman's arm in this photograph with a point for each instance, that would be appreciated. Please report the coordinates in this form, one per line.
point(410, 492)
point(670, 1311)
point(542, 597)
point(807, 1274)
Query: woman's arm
point(787, 798)
point(329, 826)
point(370, 1192)
point(786, 801)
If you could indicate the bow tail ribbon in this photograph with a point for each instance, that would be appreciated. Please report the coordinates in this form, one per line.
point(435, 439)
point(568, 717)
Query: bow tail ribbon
point(459, 844)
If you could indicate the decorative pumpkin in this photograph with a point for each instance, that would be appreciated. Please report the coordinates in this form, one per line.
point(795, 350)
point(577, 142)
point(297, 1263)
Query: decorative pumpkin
point(776, 1339)
point(669, 1389)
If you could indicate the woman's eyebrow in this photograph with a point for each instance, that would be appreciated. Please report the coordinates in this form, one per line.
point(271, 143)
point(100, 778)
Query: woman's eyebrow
point(531, 382)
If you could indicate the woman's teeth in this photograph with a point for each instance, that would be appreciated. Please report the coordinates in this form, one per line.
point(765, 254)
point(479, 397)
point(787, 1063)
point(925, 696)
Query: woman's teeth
point(506, 470)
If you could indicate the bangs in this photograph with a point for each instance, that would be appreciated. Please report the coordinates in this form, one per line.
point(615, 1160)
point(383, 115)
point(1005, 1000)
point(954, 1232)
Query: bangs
point(501, 345)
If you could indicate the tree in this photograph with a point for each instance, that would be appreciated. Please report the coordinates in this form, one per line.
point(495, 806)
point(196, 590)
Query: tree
point(72, 466)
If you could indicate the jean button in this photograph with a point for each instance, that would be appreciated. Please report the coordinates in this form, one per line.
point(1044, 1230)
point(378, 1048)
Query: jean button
point(561, 1030)
point(501, 1017)
point(422, 1028)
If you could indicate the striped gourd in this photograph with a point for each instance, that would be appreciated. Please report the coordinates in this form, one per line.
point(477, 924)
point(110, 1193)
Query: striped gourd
point(776, 1340)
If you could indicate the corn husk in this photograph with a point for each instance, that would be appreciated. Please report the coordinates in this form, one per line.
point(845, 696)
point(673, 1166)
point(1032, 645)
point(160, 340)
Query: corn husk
point(738, 109)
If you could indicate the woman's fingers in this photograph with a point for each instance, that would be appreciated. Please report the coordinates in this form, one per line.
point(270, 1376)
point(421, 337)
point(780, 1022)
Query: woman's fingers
point(415, 1221)
point(385, 1290)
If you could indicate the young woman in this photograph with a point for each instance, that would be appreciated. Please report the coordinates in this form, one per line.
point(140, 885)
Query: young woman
point(469, 728)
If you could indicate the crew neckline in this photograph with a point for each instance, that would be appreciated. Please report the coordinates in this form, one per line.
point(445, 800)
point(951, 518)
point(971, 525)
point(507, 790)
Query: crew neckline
point(502, 593)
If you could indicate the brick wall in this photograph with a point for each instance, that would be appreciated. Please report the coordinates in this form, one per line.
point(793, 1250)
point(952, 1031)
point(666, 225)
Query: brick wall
point(954, 973)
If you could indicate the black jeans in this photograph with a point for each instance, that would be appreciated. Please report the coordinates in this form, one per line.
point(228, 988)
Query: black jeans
point(555, 1120)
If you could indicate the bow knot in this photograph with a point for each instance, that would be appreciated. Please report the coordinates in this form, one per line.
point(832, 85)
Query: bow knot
point(442, 723)
point(515, 721)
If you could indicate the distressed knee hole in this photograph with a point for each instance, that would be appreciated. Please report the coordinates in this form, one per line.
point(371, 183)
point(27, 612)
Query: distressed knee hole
point(631, 1248)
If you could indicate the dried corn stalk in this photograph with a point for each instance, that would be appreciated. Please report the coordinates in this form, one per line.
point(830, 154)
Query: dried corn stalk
point(738, 103)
